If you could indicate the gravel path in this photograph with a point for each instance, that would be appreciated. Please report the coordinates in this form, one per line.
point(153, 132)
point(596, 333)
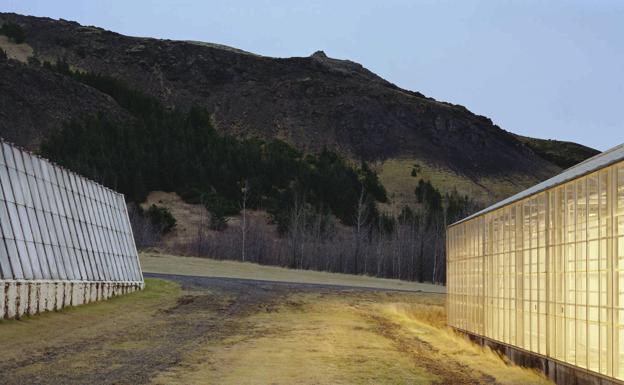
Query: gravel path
point(188, 281)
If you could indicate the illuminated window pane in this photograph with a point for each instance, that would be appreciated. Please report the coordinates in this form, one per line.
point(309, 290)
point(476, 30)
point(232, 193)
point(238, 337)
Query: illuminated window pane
point(554, 272)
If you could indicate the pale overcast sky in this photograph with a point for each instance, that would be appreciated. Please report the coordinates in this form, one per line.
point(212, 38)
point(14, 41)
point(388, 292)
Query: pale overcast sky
point(549, 69)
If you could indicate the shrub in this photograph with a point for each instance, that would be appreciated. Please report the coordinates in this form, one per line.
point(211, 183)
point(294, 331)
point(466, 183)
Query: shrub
point(428, 195)
point(13, 31)
point(161, 219)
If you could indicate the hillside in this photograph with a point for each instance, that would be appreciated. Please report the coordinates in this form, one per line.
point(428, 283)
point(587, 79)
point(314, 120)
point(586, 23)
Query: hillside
point(35, 101)
point(563, 154)
point(311, 102)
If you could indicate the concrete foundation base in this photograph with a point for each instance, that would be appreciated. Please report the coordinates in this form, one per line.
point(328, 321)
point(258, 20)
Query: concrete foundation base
point(19, 298)
point(559, 372)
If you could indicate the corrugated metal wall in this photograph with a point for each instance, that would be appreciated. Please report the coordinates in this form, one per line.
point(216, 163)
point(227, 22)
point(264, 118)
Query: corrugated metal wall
point(56, 225)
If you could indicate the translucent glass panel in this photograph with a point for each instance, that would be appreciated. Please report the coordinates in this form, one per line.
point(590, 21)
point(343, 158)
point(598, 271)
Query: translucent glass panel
point(618, 276)
point(467, 290)
point(550, 271)
point(55, 225)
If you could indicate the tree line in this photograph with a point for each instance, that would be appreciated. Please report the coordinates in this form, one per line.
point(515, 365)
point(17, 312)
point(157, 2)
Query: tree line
point(409, 246)
point(323, 206)
point(175, 150)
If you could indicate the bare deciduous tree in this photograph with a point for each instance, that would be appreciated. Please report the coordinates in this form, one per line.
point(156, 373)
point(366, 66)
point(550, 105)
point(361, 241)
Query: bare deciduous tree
point(244, 192)
point(361, 219)
point(145, 233)
point(412, 249)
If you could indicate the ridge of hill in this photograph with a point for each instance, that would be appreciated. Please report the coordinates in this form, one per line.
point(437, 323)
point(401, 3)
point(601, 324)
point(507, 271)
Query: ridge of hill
point(313, 103)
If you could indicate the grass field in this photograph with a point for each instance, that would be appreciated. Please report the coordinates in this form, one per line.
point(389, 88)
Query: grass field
point(170, 264)
point(212, 330)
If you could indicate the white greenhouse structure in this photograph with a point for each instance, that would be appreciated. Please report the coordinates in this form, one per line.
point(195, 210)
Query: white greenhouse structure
point(64, 240)
point(542, 273)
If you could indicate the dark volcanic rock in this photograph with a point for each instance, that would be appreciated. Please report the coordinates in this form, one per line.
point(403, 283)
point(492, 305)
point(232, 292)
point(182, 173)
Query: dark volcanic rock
point(312, 102)
point(34, 101)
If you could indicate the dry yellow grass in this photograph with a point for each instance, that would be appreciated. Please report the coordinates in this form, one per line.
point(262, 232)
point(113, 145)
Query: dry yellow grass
point(426, 322)
point(189, 217)
point(204, 267)
point(313, 339)
point(20, 52)
point(347, 338)
point(234, 334)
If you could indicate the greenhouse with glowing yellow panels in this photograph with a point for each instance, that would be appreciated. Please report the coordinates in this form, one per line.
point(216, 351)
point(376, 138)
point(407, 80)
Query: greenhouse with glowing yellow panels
point(542, 272)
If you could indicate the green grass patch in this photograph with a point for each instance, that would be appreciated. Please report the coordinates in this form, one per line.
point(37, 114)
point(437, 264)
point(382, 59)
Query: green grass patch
point(87, 321)
point(397, 176)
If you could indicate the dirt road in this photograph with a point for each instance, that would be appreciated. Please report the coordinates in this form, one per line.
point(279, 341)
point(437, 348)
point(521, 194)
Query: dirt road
point(194, 330)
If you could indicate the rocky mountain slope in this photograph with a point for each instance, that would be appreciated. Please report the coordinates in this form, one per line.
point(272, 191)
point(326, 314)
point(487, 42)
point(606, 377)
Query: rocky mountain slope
point(563, 154)
point(312, 102)
point(34, 101)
